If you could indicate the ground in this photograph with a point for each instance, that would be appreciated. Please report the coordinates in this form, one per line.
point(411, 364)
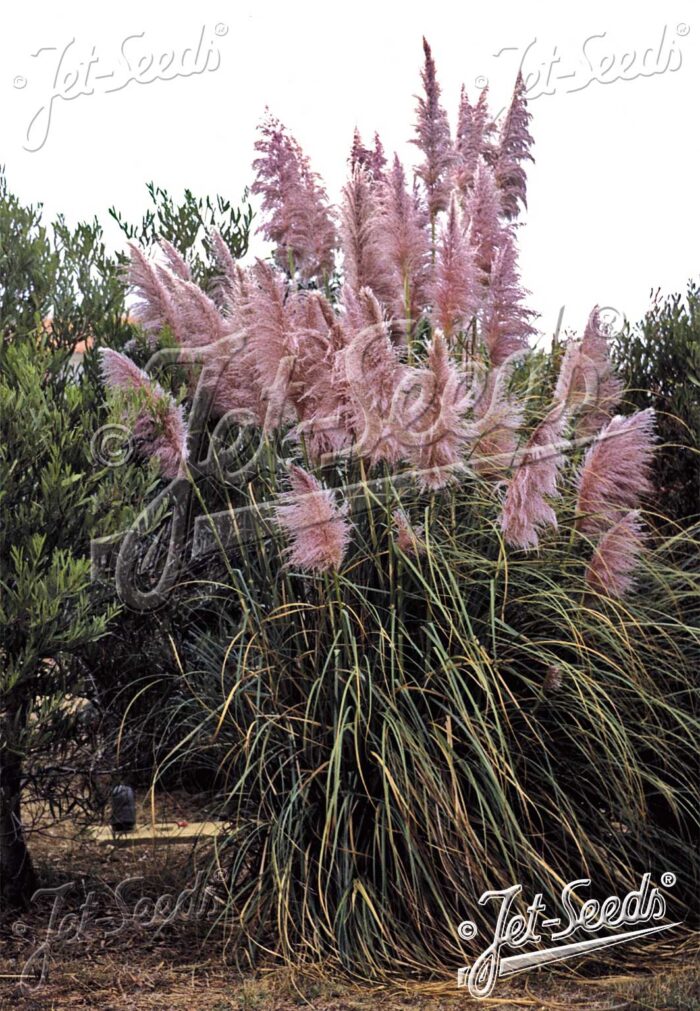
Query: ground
point(183, 967)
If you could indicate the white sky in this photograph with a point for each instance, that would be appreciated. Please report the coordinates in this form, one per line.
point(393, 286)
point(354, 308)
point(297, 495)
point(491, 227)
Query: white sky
point(613, 194)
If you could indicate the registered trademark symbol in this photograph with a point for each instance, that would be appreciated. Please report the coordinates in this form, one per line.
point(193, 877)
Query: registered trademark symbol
point(668, 879)
point(682, 28)
point(467, 930)
point(19, 82)
point(481, 81)
point(221, 29)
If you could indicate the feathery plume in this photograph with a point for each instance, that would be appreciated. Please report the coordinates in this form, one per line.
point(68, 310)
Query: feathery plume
point(506, 324)
point(484, 210)
point(453, 288)
point(605, 389)
point(616, 470)
point(610, 570)
point(525, 507)
point(154, 308)
point(434, 431)
point(573, 379)
point(199, 321)
point(493, 431)
point(409, 539)
point(227, 287)
point(225, 378)
point(372, 375)
point(433, 139)
point(513, 149)
point(294, 201)
point(175, 260)
point(472, 140)
point(372, 160)
point(159, 427)
point(322, 401)
point(317, 526)
point(403, 243)
point(120, 373)
point(553, 678)
point(586, 378)
point(247, 372)
point(363, 264)
point(270, 337)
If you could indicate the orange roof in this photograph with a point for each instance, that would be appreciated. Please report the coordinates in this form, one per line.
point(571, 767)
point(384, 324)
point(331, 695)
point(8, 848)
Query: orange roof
point(82, 346)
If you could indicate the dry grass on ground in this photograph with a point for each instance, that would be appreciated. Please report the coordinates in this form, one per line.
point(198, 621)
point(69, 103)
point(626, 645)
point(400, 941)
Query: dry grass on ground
point(182, 969)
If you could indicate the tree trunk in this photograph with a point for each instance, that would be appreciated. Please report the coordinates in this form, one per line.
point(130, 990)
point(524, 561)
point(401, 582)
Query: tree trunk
point(17, 877)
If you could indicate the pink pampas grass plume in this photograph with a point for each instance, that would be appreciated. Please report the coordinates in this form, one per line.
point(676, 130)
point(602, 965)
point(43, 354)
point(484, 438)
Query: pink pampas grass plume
point(363, 309)
point(226, 377)
point(164, 438)
point(270, 333)
point(226, 380)
point(297, 217)
point(472, 141)
point(484, 210)
point(228, 287)
point(159, 428)
point(154, 308)
point(322, 401)
point(433, 139)
point(372, 374)
point(525, 508)
point(610, 570)
point(586, 379)
point(373, 160)
point(120, 373)
point(408, 538)
point(199, 320)
point(616, 471)
point(312, 237)
point(553, 678)
point(454, 283)
point(316, 525)
point(363, 264)
point(176, 262)
point(574, 378)
point(506, 325)
point(606, 387)
point(403, 243)
point(514, 149)
point(434, 431)
point(496, 422)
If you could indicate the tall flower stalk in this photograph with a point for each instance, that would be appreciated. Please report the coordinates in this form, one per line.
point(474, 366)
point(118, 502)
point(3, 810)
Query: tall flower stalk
point(433, 138)
point(408, 364)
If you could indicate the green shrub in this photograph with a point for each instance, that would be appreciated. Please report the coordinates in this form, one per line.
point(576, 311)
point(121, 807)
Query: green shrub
point(659, 359)
point(54, 497)
point(187, 224)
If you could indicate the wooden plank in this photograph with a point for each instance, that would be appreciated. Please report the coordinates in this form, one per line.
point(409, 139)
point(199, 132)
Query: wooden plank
point(158, 832)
